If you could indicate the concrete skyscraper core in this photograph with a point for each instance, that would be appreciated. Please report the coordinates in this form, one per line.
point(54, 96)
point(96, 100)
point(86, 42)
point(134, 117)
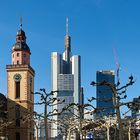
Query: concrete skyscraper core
point(66, 78)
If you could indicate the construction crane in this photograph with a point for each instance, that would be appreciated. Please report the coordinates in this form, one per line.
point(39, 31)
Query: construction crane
point(117, 65)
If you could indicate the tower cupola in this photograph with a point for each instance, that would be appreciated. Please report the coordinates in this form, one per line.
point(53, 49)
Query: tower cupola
point(20, 35)
point(20, 50)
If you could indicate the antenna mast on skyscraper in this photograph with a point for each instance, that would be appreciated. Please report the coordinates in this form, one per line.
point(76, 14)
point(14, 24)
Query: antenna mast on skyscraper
point(67, 26)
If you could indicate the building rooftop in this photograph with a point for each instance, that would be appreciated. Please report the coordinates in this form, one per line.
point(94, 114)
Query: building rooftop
point(106, 72)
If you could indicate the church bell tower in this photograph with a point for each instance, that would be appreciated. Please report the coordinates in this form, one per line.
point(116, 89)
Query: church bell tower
point(20, 89)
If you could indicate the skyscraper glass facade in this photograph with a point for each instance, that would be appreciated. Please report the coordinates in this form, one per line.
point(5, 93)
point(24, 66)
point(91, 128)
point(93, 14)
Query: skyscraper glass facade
point(104, 93)
point(66, 79)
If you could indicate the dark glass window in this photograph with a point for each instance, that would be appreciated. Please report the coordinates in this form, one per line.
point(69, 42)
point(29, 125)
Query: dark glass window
point(17, 136)
point(17, 54)
point(17, 88)
point(17, 115)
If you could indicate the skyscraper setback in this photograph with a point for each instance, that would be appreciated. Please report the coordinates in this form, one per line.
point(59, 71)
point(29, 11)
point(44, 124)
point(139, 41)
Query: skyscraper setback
point(66, 78)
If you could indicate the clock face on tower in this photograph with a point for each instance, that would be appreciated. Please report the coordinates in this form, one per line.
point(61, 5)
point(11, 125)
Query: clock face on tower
point(17, 77)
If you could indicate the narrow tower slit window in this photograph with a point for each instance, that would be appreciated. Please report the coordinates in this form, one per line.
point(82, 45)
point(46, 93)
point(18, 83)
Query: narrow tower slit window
point(31, 80)
point(24, 62)
point(17, 115)
point(17, 88)
point(17, 136)
point(24, 55)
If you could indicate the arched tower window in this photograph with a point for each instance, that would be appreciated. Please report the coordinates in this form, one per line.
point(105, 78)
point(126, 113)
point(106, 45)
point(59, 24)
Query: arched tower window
point(17, 88)
point(17, 78)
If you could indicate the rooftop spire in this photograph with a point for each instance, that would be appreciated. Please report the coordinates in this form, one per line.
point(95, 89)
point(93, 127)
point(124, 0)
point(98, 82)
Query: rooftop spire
point(67, 26)
point(67, 43)
point(20, 34)
point(21, 22)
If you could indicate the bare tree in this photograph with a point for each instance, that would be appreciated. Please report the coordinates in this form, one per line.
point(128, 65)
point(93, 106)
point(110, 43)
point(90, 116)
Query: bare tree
point(46, 99)
point(119, 92)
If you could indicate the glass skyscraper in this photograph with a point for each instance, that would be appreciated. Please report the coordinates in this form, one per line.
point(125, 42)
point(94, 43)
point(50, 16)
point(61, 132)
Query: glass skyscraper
point(104, 93)
point(136, 112)
point(66, 79)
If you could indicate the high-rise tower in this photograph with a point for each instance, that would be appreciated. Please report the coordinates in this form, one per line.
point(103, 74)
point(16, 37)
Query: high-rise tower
point(66, 78)
point(136, 112)
point(20, 86)
point(104, 93)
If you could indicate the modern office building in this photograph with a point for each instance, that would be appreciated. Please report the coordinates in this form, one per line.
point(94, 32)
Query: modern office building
point(104, 93)
point(20, 89)
point(136, 109)
point(66, 78)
